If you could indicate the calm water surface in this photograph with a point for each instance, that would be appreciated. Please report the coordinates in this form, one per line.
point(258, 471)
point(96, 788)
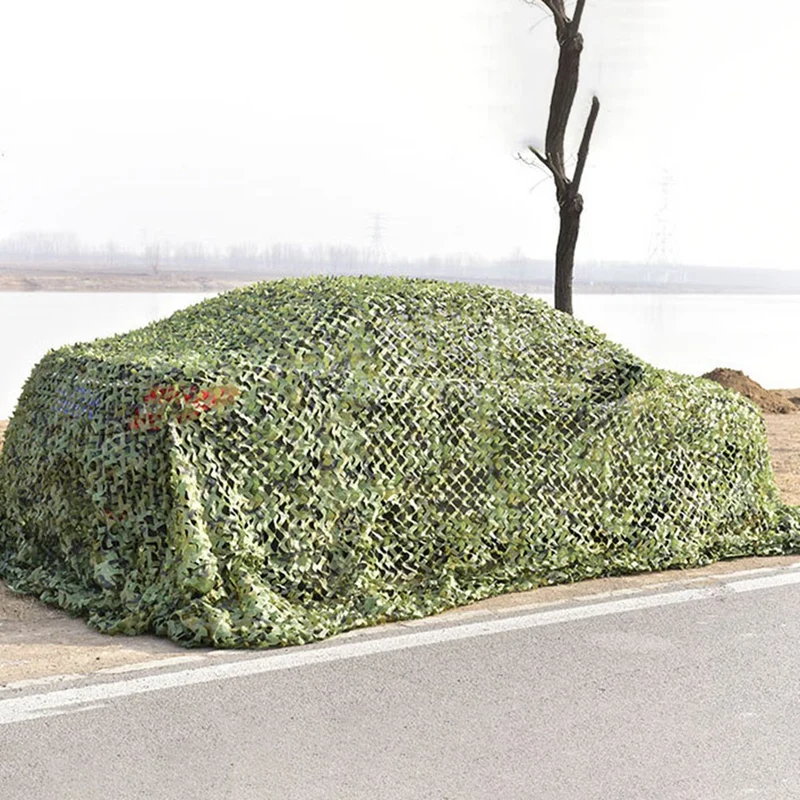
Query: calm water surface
point(31, 323)
point(687, 333)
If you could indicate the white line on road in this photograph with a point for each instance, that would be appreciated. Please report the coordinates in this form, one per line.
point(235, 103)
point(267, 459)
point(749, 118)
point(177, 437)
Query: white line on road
point(754, 584)
point(57, 712)
point(25, 708)
point(47, 680)
point(142, 665)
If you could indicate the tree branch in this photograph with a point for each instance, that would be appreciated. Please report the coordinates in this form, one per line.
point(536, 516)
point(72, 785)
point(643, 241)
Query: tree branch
point(576, 19)
point(556, 8)
point(583, 150)
point(541, 158)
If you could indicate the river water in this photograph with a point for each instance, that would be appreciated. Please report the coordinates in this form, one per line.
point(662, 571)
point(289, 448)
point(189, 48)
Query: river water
point(687, 333)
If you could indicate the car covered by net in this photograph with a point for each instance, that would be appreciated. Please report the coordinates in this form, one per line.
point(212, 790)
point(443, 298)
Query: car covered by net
point(301, 457)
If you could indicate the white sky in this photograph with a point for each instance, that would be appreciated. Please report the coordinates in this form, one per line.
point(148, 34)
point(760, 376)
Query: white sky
point(278, 120)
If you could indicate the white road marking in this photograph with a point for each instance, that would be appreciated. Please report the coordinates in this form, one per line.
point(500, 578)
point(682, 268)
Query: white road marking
point(64, 710)
point(157, 664)
point(47, 680)
point(770, 582)
point(14, 710)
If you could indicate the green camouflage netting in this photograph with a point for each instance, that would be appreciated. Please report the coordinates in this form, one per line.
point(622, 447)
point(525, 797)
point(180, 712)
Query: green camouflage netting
point(301, 457)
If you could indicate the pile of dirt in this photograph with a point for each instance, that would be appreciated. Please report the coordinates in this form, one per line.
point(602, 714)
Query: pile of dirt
point(792, 395)
point(772, 402)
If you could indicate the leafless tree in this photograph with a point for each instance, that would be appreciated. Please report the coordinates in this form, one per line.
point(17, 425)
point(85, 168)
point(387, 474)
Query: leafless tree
point(570, 201)
point(112, 252)
point(152, 256)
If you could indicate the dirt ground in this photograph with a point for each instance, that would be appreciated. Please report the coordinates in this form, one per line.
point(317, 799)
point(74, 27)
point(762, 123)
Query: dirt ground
point(783, 432)
point(37, 641)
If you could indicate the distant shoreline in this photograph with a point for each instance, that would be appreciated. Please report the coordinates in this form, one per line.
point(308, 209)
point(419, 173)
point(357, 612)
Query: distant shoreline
point(122, 282)
point(36, 280)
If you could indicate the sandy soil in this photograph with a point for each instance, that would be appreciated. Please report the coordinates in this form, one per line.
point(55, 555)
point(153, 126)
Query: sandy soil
point(783, 432)
point(38, 641)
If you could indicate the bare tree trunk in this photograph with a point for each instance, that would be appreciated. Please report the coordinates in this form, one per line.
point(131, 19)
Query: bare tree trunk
point(564, 89)
point(570, 202)
point(570, 215)
point(570, 210)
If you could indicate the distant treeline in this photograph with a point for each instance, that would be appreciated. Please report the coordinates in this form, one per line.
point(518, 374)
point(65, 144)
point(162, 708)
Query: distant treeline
point(45, 250)
point(55, 250)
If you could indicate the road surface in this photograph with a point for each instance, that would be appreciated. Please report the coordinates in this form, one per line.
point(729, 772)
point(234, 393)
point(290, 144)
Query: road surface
point(690, 691)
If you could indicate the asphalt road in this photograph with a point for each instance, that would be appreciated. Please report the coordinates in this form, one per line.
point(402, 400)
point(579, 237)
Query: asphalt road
point(687, 693)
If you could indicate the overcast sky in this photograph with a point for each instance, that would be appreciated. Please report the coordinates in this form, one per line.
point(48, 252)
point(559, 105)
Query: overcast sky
point(274, 120)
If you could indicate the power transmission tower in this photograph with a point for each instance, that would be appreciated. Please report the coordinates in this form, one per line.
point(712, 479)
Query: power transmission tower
point(377, 230)
point(661, 259)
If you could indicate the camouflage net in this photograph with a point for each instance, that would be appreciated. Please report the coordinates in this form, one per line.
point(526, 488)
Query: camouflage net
point(297, 458)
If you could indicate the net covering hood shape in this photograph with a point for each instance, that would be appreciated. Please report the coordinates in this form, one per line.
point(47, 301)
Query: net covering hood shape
point(297, 458)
